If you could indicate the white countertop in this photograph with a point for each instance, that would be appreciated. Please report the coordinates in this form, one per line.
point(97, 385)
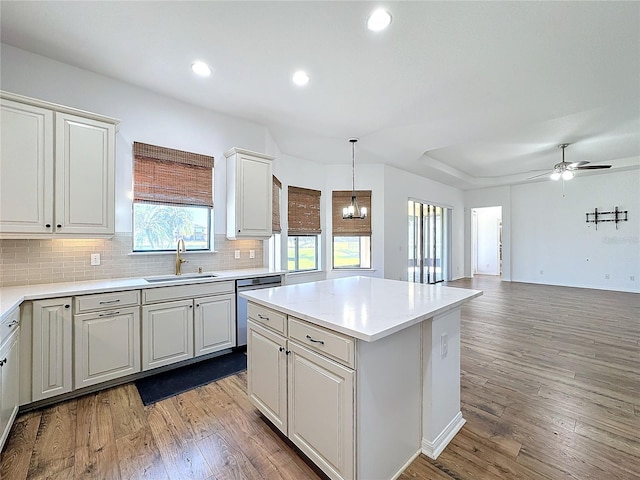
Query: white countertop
point(363, 307)
point(11, 297)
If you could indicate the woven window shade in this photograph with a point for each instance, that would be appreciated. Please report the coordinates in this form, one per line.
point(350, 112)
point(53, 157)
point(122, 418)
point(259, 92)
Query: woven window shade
point(304, 211)
point(355, 226)
point(171, 177)
point(275, 205)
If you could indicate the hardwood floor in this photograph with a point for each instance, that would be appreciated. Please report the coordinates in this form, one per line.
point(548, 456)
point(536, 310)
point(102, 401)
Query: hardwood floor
point(550, 390)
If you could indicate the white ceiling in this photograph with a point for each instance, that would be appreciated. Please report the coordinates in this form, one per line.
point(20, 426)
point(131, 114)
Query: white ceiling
point(468, 93)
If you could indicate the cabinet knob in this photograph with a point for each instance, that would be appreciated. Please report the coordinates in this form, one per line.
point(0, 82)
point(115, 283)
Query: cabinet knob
point(14, 322)
point(190, 306)
point(59, 225)
point(281, 349)
point(3, 362)
point(67, 306)
point(198, 305)
point(288, 352)
point(48, 225)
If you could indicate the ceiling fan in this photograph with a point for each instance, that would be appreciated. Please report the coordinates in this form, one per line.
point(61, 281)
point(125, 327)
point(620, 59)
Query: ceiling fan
point(565, 169)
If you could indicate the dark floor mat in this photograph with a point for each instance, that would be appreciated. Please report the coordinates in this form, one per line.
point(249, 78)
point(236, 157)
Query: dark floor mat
point(167, 384)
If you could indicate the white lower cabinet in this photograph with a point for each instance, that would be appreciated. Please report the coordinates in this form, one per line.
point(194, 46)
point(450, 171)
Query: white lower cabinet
point(214, 324)
point(107, 345)
point(307, 395)
point(321, 411)
point(52, 348)
point(9, 383)
point(167, 333)
point(267, 373)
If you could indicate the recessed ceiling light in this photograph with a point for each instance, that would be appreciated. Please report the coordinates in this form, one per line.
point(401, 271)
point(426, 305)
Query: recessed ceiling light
point(379, 20)
point(201, 68)
point(300, 78)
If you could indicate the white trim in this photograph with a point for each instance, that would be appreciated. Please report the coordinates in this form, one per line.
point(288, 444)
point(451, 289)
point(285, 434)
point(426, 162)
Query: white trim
point(406, 465)
point(435, 448)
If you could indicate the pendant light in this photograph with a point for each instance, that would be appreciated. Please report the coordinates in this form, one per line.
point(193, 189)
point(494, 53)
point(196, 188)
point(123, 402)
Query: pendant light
point(353, 211)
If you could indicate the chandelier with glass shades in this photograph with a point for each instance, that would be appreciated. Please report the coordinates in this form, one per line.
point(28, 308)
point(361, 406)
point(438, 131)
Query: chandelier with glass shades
point(353, 211)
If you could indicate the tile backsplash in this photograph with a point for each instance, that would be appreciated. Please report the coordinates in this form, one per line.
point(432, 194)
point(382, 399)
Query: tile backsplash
point(30, 262)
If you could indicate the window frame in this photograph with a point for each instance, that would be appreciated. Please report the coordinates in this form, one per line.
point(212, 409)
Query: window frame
point(360, 252)
point(297, 253)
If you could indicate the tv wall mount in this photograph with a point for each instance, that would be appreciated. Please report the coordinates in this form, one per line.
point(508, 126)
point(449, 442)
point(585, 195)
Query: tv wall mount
point(615, 216)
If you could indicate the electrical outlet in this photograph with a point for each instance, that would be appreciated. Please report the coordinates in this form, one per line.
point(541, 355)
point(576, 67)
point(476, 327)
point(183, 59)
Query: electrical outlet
point(606, 276)
point(252, 254)
point(237, 254)
point(444, 346)
point(95, 259)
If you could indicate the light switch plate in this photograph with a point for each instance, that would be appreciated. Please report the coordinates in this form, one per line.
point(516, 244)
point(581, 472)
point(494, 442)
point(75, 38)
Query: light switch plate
point(95, 259)
point(237, 254)
point(252, 254)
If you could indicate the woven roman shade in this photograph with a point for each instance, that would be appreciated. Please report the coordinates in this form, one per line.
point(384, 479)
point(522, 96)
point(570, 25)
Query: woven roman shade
point(171, 177)
point(304, 211)
point(350, 227)
point(275, 205)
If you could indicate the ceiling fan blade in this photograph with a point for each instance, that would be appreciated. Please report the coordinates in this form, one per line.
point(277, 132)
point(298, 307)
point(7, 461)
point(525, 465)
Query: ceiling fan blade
point(577, 164)
point(592, 167)
point(541, 175)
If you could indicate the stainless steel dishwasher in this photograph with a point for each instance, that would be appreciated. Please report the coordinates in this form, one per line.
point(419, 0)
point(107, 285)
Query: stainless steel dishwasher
point(241, 303)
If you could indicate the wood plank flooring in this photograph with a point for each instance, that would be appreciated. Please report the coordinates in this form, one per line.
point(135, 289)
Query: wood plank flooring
point(550, 390)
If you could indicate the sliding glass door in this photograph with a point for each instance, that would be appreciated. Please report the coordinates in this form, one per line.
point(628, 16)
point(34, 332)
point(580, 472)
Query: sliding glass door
point(428, 242)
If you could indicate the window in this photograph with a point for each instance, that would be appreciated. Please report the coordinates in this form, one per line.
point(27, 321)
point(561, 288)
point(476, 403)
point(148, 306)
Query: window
point(275, 254)
point(304, 228)
point(351, 237)
point(172, 199)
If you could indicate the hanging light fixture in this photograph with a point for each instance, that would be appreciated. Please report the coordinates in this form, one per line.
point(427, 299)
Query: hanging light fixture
point(353, 211)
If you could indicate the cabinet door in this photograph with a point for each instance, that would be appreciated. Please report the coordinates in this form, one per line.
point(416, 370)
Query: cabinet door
point(215, 324)
point(107, 345)
point(9, 381)
point(52, 332)
point(254, 196)
point(267, 374)
point(26, 162)
point(321, 411)
point(85, 170)
point(167, 333)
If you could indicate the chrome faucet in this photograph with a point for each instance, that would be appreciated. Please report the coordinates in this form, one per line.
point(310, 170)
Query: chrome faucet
point(179, 259)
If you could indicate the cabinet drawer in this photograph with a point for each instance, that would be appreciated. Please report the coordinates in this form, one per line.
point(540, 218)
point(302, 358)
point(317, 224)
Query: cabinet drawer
point(164, 294)
point(9, 324)
point(87, 303)
point(264, 316)
point(332, 344)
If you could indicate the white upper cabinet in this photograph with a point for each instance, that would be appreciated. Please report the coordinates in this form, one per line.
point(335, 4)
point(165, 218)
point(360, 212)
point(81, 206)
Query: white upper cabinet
point(249, 191)
point(58, 171)
point(26, 166)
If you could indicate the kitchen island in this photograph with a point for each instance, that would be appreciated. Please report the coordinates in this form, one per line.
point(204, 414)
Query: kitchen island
point(362, 374)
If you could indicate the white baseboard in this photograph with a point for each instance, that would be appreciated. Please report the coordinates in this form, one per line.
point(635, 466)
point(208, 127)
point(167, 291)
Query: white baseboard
point(405, 466)
point(433, 449)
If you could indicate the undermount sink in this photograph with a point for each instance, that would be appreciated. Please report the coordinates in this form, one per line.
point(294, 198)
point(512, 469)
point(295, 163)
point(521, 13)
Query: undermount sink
point(180, 278)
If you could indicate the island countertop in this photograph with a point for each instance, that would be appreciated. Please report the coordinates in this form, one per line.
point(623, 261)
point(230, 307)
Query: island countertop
point(363, 307)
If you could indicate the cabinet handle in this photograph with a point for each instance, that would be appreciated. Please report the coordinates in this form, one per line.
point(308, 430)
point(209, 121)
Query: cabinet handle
point(108, 314)
point(109, 301)
point(287, 352)
point(3, 362)
point(14, 322)
point(48, 225)
point(261, 317)
point(321, 342)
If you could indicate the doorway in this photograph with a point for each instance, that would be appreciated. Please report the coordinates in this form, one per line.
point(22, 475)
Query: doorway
point(486, 239)
point(429, 238)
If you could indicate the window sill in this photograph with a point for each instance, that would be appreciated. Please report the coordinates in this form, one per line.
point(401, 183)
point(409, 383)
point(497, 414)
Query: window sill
point(353, 269)
point(304, 272)
point(173, 252)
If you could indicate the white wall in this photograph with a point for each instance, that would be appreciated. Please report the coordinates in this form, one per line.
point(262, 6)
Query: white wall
point(487, 240)
point(399, 186)
point(550, 233)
